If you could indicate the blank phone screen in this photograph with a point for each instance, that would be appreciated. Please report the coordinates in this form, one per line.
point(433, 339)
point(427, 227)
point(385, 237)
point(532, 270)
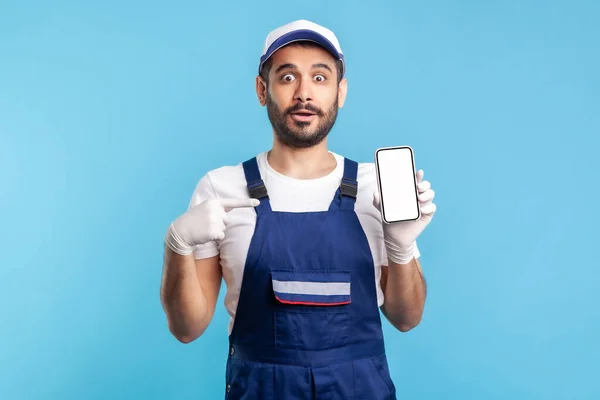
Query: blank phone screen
point(397, 184)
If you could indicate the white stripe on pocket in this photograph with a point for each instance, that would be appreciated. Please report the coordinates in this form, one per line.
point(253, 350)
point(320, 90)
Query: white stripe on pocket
point(315, 288)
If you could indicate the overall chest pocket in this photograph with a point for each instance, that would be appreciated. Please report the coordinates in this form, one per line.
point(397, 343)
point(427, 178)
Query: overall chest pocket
point(311, 308)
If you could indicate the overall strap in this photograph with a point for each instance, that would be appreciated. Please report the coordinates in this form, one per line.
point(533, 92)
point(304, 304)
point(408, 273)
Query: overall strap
point(348, 189)
point(256, 186)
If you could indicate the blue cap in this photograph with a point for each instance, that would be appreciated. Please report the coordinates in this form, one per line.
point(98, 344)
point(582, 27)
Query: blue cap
point(301, 30)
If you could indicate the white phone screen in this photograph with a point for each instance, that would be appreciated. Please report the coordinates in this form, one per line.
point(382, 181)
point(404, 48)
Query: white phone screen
point(397, 182)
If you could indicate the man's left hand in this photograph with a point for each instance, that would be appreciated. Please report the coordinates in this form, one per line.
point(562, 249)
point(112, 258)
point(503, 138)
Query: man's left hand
point(400, 237)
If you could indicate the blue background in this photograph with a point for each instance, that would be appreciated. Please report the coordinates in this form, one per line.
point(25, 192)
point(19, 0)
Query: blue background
point(111, 112)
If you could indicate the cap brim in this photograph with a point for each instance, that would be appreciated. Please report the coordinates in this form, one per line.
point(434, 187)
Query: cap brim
point(297, 36)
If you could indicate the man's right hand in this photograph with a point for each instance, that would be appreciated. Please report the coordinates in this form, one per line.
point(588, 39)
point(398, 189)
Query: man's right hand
point(203, 223)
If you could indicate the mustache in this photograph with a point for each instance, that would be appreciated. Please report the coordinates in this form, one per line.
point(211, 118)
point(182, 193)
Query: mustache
point(305, 107)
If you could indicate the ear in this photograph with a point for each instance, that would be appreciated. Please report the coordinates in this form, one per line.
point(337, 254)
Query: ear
point(261, 90)
point(342, 91)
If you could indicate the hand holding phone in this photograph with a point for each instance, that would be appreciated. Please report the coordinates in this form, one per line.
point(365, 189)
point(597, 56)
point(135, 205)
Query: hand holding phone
point(397, 184)
point(404, 199)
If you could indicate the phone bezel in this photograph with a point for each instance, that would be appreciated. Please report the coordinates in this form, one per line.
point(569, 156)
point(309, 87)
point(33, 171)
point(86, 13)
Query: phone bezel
point(382, 207)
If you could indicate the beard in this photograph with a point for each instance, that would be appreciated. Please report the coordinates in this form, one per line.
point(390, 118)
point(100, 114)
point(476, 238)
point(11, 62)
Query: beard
point(299, 134)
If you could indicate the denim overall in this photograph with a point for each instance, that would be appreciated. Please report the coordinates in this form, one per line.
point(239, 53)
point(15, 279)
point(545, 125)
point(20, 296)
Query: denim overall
point(307, 324)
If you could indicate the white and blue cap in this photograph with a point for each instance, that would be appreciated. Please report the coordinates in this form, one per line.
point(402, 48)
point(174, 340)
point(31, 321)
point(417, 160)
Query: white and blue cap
point(301, 30)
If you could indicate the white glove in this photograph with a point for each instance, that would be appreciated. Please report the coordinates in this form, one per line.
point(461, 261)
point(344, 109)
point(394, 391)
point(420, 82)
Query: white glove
point(400, 237)
point(203, 223)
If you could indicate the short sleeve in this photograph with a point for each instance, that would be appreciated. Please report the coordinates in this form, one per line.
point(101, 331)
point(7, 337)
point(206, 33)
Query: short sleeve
point(204, 190)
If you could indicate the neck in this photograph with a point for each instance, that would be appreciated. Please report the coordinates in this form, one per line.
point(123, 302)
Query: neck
point(309, 163)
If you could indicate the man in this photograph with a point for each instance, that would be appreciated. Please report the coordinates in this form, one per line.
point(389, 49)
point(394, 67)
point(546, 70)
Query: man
point(297, 236)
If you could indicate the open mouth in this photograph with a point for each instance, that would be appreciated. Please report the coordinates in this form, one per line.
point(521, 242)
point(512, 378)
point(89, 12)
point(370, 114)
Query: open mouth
point(303, 115)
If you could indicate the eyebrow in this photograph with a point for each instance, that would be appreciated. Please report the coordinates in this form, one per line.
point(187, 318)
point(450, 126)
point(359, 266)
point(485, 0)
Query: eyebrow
point(292, 66)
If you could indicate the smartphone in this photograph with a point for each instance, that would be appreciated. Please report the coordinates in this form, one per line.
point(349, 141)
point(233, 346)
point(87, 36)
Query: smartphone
point(397, 184)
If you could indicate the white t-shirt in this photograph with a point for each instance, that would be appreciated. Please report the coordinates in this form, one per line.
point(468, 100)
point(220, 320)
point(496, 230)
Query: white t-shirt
point(289, 195)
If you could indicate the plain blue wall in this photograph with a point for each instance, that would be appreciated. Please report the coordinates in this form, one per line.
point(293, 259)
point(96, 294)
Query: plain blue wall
point(110, 113)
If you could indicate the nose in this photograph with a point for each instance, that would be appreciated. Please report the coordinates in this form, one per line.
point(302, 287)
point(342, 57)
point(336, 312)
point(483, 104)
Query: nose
point(303, 92)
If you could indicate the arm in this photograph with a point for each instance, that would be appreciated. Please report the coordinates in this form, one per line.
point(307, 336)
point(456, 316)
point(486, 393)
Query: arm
point(190, 287)
point(402, 282)
point(189, 292)
point(405, 290)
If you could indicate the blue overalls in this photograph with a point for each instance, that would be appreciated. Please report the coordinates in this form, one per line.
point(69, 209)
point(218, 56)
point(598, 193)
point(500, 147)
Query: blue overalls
point(307, 324)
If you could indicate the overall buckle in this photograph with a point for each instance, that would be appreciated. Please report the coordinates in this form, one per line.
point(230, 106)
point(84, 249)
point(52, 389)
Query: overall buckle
point(257, 190)
point(349, 188)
